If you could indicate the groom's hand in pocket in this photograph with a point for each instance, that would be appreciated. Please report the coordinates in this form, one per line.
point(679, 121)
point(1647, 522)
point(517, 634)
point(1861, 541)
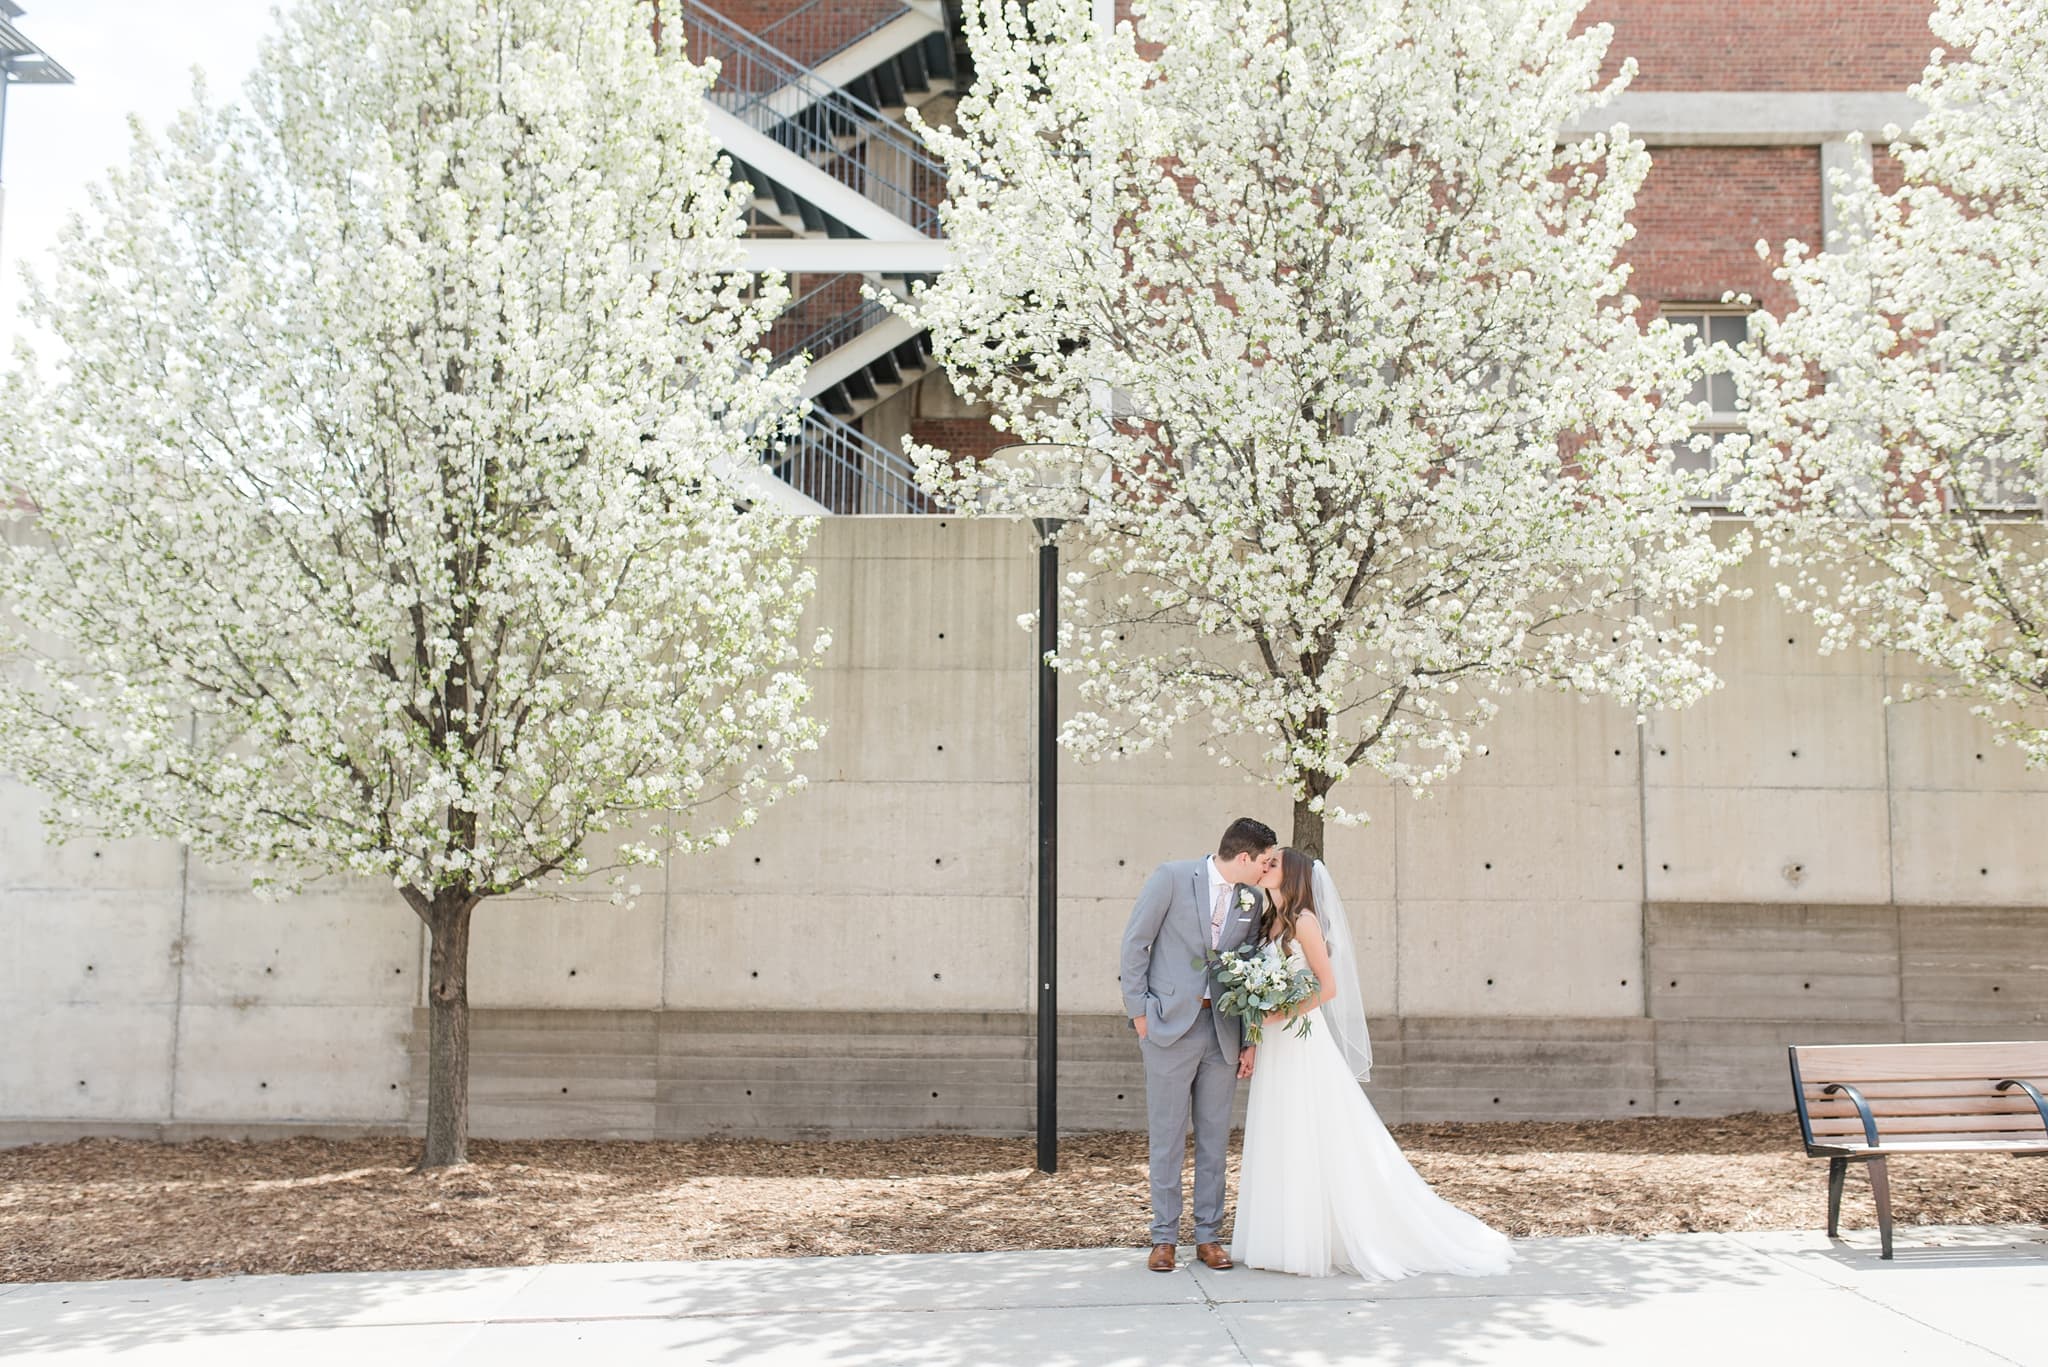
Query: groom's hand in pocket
point(1245, 1056)
point(1138, 1024)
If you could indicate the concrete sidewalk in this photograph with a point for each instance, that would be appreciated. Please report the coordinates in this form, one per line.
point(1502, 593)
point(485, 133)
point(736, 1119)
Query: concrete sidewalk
point(1953, 1298)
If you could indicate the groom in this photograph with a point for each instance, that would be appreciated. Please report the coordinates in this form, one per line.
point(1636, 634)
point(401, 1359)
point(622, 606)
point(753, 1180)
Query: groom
point(1193, 1055)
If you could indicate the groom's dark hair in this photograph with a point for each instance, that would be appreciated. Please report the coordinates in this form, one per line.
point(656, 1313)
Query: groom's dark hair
point(1245, 836)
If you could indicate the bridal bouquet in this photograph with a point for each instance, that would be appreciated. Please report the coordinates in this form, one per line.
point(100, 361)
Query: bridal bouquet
point(1256, 980)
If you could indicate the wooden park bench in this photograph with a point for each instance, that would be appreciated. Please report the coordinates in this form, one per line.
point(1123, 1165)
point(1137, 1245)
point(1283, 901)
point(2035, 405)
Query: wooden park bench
point(1863, 1103)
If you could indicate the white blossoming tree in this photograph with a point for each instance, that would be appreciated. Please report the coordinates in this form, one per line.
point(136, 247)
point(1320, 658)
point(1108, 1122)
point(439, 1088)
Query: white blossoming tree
point(1900, 409)
point(1333, 332)
point(375, 511)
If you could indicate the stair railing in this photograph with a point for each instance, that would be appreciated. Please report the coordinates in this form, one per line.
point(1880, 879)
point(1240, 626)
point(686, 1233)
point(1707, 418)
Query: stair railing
point(847, 471)
point(844, 136)
point(819, 30)
point(797, 321)
point(835, 332)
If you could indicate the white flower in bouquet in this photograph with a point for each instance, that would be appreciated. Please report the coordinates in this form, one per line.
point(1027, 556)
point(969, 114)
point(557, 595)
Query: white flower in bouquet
point(1257, 982)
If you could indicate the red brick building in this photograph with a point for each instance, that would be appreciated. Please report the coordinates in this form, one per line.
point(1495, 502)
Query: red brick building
point(1745, 105)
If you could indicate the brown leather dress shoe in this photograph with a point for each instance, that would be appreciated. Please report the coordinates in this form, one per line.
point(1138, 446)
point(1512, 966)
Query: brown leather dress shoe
point(1214, 1257)
point(1161, 1259)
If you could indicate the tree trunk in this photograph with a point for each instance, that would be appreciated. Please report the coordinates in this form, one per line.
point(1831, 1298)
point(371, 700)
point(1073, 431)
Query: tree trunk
point(447, 920)
point(1308, 827)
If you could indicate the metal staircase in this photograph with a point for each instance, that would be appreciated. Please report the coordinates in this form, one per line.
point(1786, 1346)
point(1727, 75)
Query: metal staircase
point(837, 468)
point(859, 357)
point(803, 109)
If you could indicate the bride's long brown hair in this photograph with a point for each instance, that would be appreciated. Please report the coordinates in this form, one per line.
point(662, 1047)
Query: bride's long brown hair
point(1295, 897)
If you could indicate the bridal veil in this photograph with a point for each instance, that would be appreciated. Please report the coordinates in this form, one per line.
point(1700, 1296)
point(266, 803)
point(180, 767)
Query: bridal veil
point(1344, 1017)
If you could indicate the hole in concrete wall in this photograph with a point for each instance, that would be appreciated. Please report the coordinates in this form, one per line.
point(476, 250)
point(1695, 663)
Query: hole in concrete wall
point(1119, 863)
point(266, 970)
point(398, 970)
point(942, 749)
point(95, 854)
point(1667, 868)
point(1496, 1101)
point(1662, 751)
point(1674, 1101)
point(935, 1096)
point(935, 977)
point(757, 859)
point(1489, 982)
point(88, 968)
point(81, 1082)
point(1795, 754)
point(937, 862)
point(572, 972)
point(1674, 982)
point(1617, 868)
point(942, 636)
point(1489, 863)
point(1985, 872)
point(394, 1086)
point(1807, 986)
point(1791, 641)
point(1617, 752)
point(942, 526)
point(263, 1086)
point(1631, 1101)
point(750, 1091)
point(1994, 987)
point(1980, 757)
point(756, 973)
point(1624, 982)
point(1119, 1096)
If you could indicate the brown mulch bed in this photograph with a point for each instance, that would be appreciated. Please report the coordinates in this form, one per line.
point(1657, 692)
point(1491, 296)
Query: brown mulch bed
point(116, 1208)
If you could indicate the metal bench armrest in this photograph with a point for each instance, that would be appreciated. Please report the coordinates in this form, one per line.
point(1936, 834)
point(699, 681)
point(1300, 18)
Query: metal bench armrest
point(2033, 1092)
point(1862, 1108)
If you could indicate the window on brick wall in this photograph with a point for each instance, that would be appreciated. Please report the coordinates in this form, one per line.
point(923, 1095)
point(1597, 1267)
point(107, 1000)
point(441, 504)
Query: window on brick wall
point(1997, 484)
point(1711, 325)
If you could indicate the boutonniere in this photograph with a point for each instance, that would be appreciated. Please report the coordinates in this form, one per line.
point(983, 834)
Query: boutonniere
point(1245, 900)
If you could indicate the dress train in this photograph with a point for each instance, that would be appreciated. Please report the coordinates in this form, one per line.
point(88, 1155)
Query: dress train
point(1324, 1188)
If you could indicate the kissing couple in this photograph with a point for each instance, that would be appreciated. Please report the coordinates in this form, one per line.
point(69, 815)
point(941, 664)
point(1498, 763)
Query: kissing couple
point(1322, 1187)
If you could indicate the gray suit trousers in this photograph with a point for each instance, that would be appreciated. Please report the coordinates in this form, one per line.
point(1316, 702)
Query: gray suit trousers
point(1188, 1079)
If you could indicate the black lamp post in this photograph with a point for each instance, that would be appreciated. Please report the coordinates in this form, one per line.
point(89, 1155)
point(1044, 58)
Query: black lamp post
point(1053, 501)
point(1048, 843)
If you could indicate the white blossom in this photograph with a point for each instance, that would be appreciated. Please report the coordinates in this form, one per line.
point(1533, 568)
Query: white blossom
point(374, 516)
point(1337, 341)
point(1900, 409)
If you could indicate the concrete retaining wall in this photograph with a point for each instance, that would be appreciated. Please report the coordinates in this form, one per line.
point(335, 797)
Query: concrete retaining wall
point(1590, 920)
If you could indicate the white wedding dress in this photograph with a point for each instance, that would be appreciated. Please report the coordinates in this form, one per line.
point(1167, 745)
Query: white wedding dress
point(1323, 1188)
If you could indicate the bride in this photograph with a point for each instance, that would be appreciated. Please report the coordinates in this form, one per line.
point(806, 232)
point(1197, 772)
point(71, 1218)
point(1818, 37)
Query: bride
point(1323, 1187)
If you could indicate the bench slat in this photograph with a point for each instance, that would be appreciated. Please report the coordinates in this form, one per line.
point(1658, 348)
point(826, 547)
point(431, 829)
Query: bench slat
point(1822, 1063)
point(2030, 1123)
point(1988, 1102)
point(1959, 1086)
point(1937, 1143)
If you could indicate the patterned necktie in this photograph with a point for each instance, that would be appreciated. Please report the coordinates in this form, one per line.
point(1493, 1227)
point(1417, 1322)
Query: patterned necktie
point(1216, 917)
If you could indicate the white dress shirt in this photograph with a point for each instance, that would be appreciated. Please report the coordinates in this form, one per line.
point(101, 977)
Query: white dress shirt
point(1218, 886)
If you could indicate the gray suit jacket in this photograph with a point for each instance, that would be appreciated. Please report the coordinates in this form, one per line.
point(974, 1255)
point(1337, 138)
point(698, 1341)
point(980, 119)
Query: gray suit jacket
point(1162, 969)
